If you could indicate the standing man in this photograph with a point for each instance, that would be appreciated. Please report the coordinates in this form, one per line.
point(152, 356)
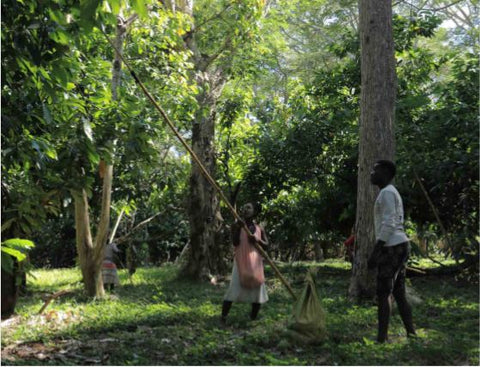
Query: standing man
point(391, 249)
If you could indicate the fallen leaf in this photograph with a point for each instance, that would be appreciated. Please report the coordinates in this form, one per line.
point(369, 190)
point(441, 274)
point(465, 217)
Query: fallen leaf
point(51, 315)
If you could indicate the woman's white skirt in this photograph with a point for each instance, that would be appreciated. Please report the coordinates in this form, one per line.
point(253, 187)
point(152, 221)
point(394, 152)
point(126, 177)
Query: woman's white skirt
point(236, 293)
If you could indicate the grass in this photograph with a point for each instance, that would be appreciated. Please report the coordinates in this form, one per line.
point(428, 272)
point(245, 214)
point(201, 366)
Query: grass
point(156, 319)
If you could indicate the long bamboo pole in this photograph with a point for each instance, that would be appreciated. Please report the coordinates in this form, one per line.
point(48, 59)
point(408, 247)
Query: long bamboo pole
point(202, 168)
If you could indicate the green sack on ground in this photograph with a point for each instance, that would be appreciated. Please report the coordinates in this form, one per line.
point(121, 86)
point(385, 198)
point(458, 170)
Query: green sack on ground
point(307, 322)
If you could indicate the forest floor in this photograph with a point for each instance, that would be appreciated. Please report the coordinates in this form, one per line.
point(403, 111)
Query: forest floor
point(156, 319)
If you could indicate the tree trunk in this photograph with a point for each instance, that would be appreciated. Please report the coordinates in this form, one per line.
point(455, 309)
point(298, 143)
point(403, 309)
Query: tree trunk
point(91, 251)
point(206, 257)
point(377, 139)
point(10, 290)
point(90, 264)
point(207, 252)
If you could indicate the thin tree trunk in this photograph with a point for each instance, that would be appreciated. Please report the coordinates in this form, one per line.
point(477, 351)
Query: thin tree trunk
point(90, 252)
point(376, 128)
point(91, 270)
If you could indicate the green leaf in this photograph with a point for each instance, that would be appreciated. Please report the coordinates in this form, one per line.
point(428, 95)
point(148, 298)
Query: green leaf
point(88, 9)
point(47, 116)
point(57, 16)
point(92, 154)
point(14, 248)
point(368, 341)
point(61, 37)
point(18, 243)
point(140, 7)
point(26, 65)
point(20, 256)
point(51, 153)
point(115, 5)
point(8, 223)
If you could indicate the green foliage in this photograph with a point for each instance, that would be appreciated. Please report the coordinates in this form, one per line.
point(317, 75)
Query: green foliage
point(88, 9)
point(59, 119)
point(55, 243)
point(14, 250)
point(228, 33)
point(305, 155)
point(157, 320)
point(287, 120)
point(439, 121)
point(33, 44)
point(304, 166)
point(408, 29)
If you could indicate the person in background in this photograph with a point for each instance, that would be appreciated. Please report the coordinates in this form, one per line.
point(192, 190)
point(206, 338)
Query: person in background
point(109, 269)
point(248, 280)
point(391, 250)
point(350, 246)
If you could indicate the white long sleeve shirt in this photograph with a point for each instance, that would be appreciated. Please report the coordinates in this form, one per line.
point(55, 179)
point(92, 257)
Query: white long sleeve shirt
point(388, 217)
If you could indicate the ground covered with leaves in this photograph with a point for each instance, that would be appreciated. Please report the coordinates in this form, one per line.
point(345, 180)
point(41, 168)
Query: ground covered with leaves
point(156, 319)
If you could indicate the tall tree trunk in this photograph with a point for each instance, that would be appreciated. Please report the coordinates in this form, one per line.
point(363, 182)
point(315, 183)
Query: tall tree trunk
point(206, 253)
point(91, 251)
point(207, 247)
point(377, 139)
point(204, 212)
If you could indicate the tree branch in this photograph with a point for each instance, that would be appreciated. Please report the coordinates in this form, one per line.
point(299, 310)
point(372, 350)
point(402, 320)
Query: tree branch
point(52, 297)
point(431, 9)
point(143, 223)
point(216, 16)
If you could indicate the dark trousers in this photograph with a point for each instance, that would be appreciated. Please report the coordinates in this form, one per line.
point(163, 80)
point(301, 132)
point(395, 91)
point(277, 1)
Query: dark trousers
point(228, 304)
point(391, 280)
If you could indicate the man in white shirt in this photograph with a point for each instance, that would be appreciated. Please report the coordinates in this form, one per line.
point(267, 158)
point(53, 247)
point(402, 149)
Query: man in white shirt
point(391, 249)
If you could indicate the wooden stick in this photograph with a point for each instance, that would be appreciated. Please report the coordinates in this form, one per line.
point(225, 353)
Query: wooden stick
point(52, 297)
point(202, 168)
point(416, 270)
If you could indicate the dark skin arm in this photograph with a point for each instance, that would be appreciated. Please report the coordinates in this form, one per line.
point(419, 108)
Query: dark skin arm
point(373, 259)
point(236, 227)
point(264, 240)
